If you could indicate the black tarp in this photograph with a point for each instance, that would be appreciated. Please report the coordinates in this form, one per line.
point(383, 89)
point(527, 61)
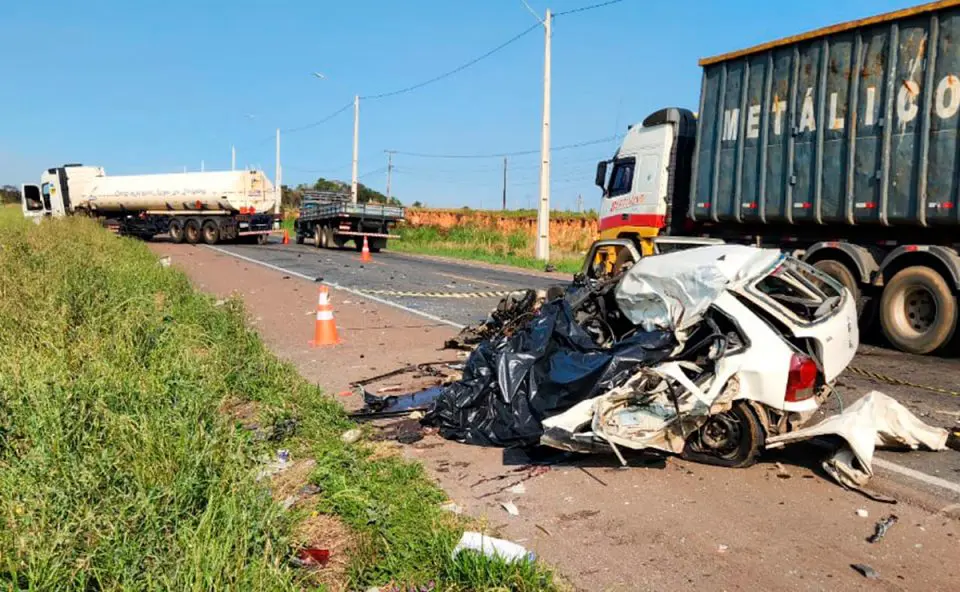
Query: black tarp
point(510, 385)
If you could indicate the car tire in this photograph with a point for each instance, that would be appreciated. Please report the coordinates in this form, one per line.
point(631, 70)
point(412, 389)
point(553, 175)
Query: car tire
point(176, 231)
point(211, 232)
point(842, 274)
point(191, 231)
point(741, 452)
point(918, 311)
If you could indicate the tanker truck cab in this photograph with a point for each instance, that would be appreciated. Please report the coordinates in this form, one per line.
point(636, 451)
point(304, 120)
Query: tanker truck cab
point(649, 177)
point(52, 196)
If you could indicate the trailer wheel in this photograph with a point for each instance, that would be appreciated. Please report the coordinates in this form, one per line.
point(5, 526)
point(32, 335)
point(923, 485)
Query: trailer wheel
point(262, 239)
point(176, 231)
point(328, 240)
point(918, 312)
point(300, 238)
point(191, 231)
point(376, 244)
point(211, 232)
point(841, 273)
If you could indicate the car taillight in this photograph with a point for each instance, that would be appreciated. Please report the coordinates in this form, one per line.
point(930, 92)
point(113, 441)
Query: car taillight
point(801, 380)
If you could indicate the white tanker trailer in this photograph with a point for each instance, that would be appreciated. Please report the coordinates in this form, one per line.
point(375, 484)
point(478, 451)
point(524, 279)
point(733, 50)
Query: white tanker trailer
point(191, 207)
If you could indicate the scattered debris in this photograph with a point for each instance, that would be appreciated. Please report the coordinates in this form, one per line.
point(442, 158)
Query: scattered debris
point(165, 261)
point(389, 389)
point(592, 476)
point(452, 507)
point(545, 531)
point(512, 313)
point(283, 429)
point(313, 556)
point(518, 489)
point(863, 513)
point(782, 472)
point(511, 508)
point(530, 473)
point(866, 571)
point(352, 435)
point(550, 268)
point(278, 465)
point(416, 415)
point(882, 527)
point(508, 551)
point(722, 548)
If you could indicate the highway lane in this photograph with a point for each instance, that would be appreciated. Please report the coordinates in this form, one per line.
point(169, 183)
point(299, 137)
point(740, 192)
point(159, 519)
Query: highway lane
point(402, 273)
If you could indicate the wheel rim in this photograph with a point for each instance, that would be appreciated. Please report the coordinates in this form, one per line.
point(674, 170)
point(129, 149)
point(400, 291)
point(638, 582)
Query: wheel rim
point(721, 435)
point(919, 309)
point(209, 234)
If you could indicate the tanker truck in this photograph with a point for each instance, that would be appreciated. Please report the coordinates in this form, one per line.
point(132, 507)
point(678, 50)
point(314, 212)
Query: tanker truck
point(191, 207)
point(839, 145)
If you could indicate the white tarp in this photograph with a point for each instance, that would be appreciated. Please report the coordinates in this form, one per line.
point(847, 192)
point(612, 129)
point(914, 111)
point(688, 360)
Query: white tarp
point(876, 420)
point(672, 291)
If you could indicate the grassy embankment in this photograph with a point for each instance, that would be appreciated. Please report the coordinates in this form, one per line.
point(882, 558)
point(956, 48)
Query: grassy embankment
point(119, 468)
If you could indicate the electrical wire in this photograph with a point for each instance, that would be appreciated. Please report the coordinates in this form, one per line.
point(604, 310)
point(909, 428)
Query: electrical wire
point(291, 130)
point(460, 68)
point(586, 8)
point(502, 154)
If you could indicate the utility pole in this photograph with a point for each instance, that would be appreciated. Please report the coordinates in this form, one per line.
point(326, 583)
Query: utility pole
point(543, 213)
point(580, 203)
point(356, 146)
point(201, 166)
point(233, 158)
point(278, 189)
point(389, 170)
point(504, 184)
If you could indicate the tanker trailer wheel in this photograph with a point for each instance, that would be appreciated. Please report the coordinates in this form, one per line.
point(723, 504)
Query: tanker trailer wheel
point(176, 231)
point(191, 231)
point(918, 312)
point(211, 232)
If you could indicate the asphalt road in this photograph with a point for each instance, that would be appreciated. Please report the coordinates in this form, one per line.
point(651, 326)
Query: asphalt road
point(392, 277)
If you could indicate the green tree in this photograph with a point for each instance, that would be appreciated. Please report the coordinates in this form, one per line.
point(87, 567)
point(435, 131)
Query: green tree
point(9, 194)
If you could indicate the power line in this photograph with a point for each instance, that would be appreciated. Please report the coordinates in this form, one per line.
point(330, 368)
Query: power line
point(586, 8)
point(502, 154)
point(455, 70)
point(316, 123)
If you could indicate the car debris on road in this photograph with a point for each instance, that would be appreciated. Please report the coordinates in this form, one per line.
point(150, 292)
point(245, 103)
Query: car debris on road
point(714, 353)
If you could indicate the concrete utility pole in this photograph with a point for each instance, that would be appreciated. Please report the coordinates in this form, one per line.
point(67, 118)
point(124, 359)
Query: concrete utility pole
point(389, 170)
point(233, 158)
point(356, 146)
point(504, 184)
point(580, 203)
point(278, 177)
point(543, 213)
point(201, 166)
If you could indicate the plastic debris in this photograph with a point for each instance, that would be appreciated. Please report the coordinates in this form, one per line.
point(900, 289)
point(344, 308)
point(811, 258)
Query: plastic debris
point(511, 508)
point(452, 507)
point(165, 261)
point(352, 435)
point(278, 465)
point(313, 556)
point(507, 551)
point(882, 527)
point(866, 571)
point(862, 513)
point(518, 489)
point(722, 548)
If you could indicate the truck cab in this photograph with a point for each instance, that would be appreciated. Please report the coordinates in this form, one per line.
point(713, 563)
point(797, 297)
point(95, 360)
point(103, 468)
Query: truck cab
point(52, 196)
point(649, 177)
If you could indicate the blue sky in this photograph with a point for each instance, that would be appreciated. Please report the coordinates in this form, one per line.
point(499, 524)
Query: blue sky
point(143, 87)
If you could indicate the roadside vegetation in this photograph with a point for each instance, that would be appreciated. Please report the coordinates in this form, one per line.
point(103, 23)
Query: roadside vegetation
point(124, 463)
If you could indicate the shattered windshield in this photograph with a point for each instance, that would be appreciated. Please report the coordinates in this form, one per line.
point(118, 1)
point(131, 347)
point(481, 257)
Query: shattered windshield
point(801, 291)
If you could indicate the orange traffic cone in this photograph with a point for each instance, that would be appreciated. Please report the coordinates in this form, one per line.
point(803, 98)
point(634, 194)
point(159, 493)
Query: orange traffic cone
point(325, 330)
point(286, 237)
point(365, 253)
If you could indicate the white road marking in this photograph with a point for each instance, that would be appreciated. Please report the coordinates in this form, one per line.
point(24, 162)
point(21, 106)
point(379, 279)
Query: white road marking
point(420, 313)
point(879, 462)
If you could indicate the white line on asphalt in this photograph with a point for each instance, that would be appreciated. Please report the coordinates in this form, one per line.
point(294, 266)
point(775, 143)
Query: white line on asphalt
point(879, 462)
point(336, 286)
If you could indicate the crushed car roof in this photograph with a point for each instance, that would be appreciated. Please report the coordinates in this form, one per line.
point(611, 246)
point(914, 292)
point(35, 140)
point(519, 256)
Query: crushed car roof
point(672, 291)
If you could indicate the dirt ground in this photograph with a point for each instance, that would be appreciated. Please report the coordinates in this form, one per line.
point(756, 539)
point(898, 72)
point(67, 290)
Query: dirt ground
point(654, 526)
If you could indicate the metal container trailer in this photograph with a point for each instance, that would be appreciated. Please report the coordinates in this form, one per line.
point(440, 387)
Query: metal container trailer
point(840, 145)
point(208, 206)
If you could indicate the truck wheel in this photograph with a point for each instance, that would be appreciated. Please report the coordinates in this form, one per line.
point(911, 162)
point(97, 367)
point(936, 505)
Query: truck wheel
point(176, 231)
point(317, 236)
point(328, 241)
point(191, 231)
point(918, 312)
point(841, 273)
point(211, 232)
point(733, 438)
point(376, 244)
point(300, 238)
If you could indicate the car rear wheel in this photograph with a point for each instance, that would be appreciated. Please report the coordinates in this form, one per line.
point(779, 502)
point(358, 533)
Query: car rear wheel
point(918, 311)
point(733, 438)
point(191, 230)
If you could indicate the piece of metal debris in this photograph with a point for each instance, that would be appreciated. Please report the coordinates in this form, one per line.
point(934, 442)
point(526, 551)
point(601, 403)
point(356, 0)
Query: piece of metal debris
point(511, 508)
point(545, 531)
point(866, 571)
point(882, 527)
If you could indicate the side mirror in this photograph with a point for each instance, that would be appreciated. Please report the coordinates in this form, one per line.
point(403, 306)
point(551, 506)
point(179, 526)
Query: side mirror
point(601, 177)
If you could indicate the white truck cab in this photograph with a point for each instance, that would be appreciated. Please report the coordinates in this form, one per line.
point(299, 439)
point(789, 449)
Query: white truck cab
point(52, 196)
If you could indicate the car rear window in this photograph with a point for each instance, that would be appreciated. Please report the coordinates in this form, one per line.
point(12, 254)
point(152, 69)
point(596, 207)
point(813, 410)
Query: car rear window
point(801, 291)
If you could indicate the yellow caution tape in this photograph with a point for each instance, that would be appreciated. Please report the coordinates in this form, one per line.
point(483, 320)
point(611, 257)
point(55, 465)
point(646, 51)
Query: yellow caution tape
point(900, 382)
point(400, 293)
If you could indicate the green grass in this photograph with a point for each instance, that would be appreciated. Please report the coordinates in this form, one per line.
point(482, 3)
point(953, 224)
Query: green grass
point(477, 243)
point(117, 468)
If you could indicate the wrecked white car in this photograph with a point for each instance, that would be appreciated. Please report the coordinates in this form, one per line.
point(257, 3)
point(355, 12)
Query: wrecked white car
point(760, 338)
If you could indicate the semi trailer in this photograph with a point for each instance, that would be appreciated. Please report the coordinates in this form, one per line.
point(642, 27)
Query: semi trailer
point(839, 146)
point(192, 207)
